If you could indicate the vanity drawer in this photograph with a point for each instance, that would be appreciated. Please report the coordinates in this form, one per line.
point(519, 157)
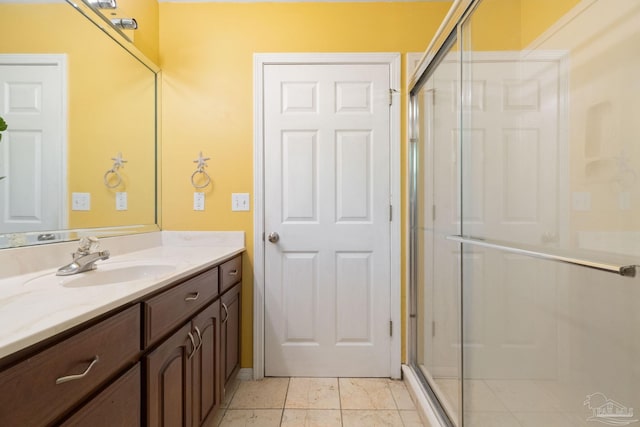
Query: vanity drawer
point(171, 308)
point(40, 389)
point(230, 273)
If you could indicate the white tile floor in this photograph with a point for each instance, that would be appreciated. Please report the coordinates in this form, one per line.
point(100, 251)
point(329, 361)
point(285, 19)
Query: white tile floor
point(321, 402)
point(517, 403)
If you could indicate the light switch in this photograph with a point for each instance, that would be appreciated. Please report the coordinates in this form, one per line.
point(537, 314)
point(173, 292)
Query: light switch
point(198, 201)
point(80, 201)
point(239, 201)
point(121, 201)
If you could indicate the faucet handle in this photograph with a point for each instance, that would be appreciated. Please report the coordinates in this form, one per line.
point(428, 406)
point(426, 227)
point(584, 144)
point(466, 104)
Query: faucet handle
point(87, 245)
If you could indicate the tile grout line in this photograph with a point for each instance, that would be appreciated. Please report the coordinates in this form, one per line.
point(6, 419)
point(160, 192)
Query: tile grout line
point(340, 402)
point(284, 404)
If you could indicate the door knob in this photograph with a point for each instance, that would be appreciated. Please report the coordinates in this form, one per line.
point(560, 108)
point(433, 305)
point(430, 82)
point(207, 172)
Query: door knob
point(273, 237)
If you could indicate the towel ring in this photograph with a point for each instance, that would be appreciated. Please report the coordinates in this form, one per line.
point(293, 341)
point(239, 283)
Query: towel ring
point(107, 178)
point(206, 176)
point(118, 162)
point(202, 163)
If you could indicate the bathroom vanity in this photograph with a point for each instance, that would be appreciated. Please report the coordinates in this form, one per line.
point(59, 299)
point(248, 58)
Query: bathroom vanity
point(161, 356)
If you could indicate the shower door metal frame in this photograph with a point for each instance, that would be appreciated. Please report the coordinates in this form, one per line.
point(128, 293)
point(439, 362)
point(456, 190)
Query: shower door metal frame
point(447, 36)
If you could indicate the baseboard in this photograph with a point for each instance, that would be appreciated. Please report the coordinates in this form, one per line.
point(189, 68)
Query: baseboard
point(425, 410)
point(245, 374)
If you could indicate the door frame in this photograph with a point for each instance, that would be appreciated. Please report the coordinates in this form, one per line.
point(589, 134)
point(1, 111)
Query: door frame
point(260, 60)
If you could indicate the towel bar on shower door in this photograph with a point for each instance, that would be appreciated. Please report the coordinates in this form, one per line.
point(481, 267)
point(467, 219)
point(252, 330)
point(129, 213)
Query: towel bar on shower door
point(622, 270)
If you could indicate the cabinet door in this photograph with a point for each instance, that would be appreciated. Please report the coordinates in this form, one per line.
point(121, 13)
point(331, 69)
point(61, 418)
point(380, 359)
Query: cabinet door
point(230, 335)
point(118, 405)
point(169, 381)
point(206, 363)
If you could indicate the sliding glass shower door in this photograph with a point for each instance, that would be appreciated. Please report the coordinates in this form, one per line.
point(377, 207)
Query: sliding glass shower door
point(436, 213)
point(525, 165)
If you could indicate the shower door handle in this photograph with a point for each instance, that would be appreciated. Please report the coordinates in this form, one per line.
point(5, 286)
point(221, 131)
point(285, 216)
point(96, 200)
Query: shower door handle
point(622, 270)
point(273, 237)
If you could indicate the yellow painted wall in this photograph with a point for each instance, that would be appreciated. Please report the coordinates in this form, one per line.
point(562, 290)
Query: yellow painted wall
point(145, 37)
point(110, 108)
point(514, 24)
point(539, 15)
point(206, 56)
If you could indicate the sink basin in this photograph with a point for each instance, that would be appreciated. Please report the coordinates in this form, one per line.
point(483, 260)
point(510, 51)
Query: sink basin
point(105, 274)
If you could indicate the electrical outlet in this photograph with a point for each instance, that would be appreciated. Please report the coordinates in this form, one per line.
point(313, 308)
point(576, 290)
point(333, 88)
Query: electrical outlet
point(121, 201)
point(198, 201)
point(80, 201)
point(240, 201)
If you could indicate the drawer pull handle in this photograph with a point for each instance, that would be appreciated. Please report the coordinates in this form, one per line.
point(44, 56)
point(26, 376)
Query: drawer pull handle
point(226, 312)
point(192, 297)
point(233, 272)
point(78, 376)
point(199, 339)
point(193, 343)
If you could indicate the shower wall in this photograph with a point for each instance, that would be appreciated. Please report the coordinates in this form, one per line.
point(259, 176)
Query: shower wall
point(526, 203)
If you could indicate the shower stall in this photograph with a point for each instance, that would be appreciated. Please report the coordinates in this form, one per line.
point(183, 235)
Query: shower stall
point(525, 214)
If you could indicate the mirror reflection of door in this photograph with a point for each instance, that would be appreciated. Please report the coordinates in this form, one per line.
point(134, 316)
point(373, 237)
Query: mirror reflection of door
point(33, 149)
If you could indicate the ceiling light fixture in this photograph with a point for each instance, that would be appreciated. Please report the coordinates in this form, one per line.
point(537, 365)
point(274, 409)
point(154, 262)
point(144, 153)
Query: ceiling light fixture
point(125, 23)
point(104, 4)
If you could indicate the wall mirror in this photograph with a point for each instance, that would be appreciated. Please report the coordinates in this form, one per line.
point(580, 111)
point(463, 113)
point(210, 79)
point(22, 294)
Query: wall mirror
point(75, 96)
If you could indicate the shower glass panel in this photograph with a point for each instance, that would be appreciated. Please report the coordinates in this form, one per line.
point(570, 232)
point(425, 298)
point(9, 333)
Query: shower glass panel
point(436, 211)
point(550, 149)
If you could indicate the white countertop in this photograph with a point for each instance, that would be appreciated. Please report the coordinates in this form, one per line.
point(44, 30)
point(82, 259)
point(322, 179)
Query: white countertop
point(34, 310)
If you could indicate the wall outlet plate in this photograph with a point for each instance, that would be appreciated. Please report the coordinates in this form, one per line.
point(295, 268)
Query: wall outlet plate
point(198, 201)
point(80, 201)
point(240, 201)
point(121, 201)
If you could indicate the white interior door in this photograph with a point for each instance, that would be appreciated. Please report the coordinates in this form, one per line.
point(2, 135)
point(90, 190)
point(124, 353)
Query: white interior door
point(32, 149)
point(327, 196)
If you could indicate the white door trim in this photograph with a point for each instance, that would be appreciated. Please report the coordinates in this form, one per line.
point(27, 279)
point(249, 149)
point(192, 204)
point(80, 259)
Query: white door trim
point(59, 60)
point(260, 60)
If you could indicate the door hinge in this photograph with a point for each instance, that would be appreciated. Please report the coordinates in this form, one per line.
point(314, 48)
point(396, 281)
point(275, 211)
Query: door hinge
point(433, 328)
point(390, 213)
point(390, 328)
point(433, 212)
point(391, 92)
point(263, 236)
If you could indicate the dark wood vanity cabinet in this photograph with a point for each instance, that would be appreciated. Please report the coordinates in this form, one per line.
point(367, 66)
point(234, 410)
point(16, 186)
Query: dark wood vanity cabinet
point(230, 333)
point(168, 381)
point(120, 404)
point(230, 304)
point(182, 378)
point(206, 388)
point(163, 361)
point(47, 385)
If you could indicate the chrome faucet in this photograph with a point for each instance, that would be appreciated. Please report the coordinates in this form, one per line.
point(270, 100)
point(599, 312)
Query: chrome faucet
point(84, 258)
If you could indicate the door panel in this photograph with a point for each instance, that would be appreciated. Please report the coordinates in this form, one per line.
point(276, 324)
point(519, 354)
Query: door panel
point(327, 280)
